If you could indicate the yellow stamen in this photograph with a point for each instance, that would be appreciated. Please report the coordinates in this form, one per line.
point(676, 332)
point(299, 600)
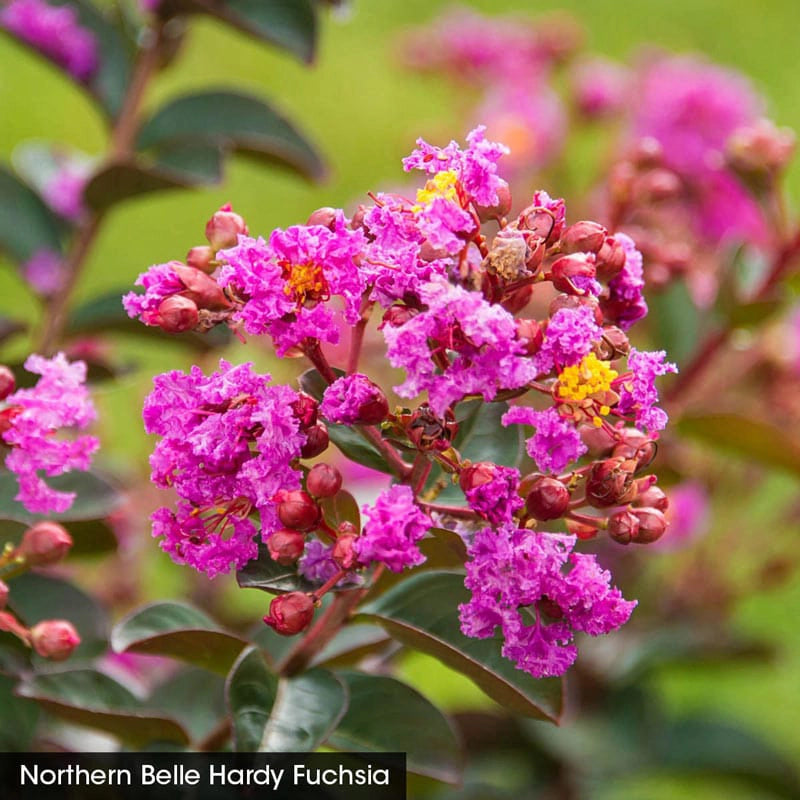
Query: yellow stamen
point(585, 379)
point(303, 280)
point(442, 184)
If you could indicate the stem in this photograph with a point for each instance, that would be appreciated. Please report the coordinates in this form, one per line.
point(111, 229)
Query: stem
point(123, 136)
point(357, 337)
point(419, 472)
point(459, 512)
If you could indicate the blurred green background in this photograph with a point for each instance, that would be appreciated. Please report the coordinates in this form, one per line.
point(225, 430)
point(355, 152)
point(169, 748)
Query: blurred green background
point(364, 111)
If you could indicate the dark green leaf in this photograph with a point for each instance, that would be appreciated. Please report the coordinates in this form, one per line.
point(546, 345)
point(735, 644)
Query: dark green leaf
point(487, 440)
point(15, 657)
point(177, 631)
point(703, 745)
point(96, 498)
point(91, 698)
point(289, 24)
point(37, 597)
point(356, 448)
point(18, 718)
point(342, 507)
point(105, 313)
point(231, 121)
point(26, 223)
point(312, 383)
point(352, 643)
point(282, 715)
point(405, 721)
point(270, 576)
point(421, 613)
point(194, 697)
point(754, 439)
point(199, 163)
point(676, 321)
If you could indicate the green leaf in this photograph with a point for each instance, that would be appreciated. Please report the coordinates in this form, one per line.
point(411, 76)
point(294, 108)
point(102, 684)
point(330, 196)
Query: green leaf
point(312, 383)
point(199, 163)
point(342, 507)
point(487, 440)
point(356, 448)
point(231, 121)
point(351, 644)
point(90, 698)
point(288, 24)
point(26, 223)
point(177, 631)
point(96, 498)
point(711, 746)
point(676, 321)
point(36, 597)
point(15, 657)
point(18, 718)
point(105, 313)
point(195, 698)
point(270, 576)
point(282, 715)
point(386, 715)
point(89, 537)
point(421, 613)
point(755, 439)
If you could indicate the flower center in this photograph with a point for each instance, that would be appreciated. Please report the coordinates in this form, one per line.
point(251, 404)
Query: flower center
point(589, 379)
point(305, 281)
point(443, 184)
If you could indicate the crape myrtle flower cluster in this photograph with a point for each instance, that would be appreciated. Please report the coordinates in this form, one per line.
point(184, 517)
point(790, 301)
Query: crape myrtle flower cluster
point(32, 424)
point(455, 281)
point(55, 31)
point(42, 545)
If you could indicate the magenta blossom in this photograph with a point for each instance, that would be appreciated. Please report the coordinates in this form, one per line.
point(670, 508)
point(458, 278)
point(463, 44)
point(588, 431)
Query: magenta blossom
point(638, 394)
point(556, 443)
point(538, 592)
point(59, 400)
point(44, 272)
point(56, 33)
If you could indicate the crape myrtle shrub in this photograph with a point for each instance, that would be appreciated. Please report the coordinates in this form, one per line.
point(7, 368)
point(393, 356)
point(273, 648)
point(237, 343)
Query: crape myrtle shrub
point(469, 337)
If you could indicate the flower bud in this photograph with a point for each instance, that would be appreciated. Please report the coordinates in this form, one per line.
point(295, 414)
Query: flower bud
point(583, 237)
point(540, 222)
point(358, 216)
point(647, 152)
point(323, 216)
point(7, 382)
point(286, 546)
point(397, 315)
point(518, 299)
point(3, 594)
point(659, 184)
point(201, 288)
point(500, 208)
point(344, 553)
point(297, 509)
point(548, 499)
point(44, 543)
point(637, 446)
point(610, 259)
point(305, 409)
point(429, 431)
point(572, 301)
point(54, 639)
point(760, 149)
point(565, 270)
point(476, 475)
point(223, 229)
point(202, 258)
point(611, 483)
point(375, 408)
point(653, 497)
point(177, 314)
point(7, 418)
point(323, 480)
point(529, 332)
point(613, 344)
point(317, 441)
point(290, 613)
point(652, 524)
point(623, 527)
point(10, 624)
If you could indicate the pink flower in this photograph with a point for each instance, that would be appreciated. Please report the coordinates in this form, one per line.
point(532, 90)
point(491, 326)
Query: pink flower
point(556, 443)
point(59, 400)
point(44, 272)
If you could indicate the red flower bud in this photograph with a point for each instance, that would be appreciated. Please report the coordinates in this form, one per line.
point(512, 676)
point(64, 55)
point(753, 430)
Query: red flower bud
point(223, 229)
point(583, 237)
point(760, 149)
point(202, 258)
point(540, 222)
point(54, 639)
point(637, 446)
point(653, 497)
point(652, 524)
point(659, 184)
point(177, 314)
point(323, 480)
point(476, 475)
point(529, 331)
point(566, 269)
point(397, 315)
point(610, 259)
point(613, 344)
point(572, 301)
point(344, 553)
point(323, 216)
point(201, 288)
point(548, 499)
point(286, 546)
point(297, 509)
point(623, 527)
point(374, 410)
point(305, 409)
point(611, 483)
point(290, 613)
point(317, 441)
point(44, 543)
point(500, 208)
point(518, 299)
point(7, 418)
point(357, 220)
point(3, 594)
point(7, 382)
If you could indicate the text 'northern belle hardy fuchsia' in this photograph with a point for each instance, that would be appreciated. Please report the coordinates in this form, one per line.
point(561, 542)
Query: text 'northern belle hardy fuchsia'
point(486, 308)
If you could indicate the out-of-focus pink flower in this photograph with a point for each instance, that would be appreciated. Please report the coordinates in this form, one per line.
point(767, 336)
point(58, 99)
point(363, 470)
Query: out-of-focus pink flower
point(688, 516)
point(44, 272)
point(64, 191)
point(600, 87)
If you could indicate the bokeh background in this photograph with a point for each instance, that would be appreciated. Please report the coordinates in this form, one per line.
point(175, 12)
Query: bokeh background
point(364, 110)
